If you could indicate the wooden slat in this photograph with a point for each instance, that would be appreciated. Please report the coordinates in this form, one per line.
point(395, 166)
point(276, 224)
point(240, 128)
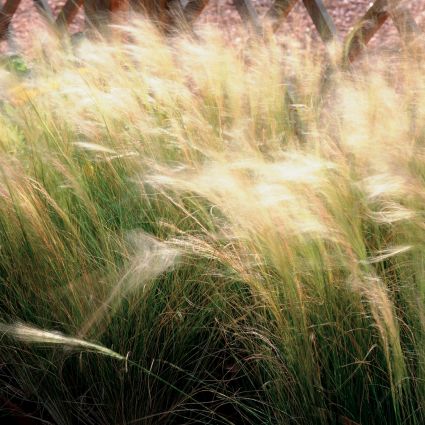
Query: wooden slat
point(248, 14)
point(365, 29)
point(193, 9)
point(96, 13)
point(117, 5)
point(6, 15)
point(68, 12)
point(177, 18)
point(294, 115)
point(45, 10)
point(321, 19)
point(13, 46)
point(155, 9)
point(278, 12)
point(403, 20)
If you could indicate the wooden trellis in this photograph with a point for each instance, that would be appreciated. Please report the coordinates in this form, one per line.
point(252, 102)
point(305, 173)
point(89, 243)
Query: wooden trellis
point(187, 11)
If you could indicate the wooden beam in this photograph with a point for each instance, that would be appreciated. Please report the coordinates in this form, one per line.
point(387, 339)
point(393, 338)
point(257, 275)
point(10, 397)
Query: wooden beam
point(248, 14)
point(321, 19)
point(117, 5)
point(403, 20)
point(98, 12)
point(278, 12)
point(45, 10)
point(177, 18)
point(13, 46)
point(6, 15)
point(68, 12)
point(193, 9)
point(365, 29)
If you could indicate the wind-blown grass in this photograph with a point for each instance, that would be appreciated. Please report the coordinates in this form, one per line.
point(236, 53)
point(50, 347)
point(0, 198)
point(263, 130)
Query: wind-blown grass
point(181, 243)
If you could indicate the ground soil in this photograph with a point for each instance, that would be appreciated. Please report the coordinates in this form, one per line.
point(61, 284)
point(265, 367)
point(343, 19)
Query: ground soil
point(28, 25)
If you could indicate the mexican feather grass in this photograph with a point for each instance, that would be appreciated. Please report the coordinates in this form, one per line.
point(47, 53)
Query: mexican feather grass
point(181, 241)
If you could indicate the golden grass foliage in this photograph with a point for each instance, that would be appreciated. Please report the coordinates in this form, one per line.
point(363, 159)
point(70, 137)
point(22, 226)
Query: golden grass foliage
point(247, 223)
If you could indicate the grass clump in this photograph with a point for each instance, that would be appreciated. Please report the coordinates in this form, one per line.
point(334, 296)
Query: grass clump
point(181, 241)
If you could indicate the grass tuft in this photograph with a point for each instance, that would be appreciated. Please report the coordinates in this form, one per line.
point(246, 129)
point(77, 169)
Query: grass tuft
point(247, 241)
